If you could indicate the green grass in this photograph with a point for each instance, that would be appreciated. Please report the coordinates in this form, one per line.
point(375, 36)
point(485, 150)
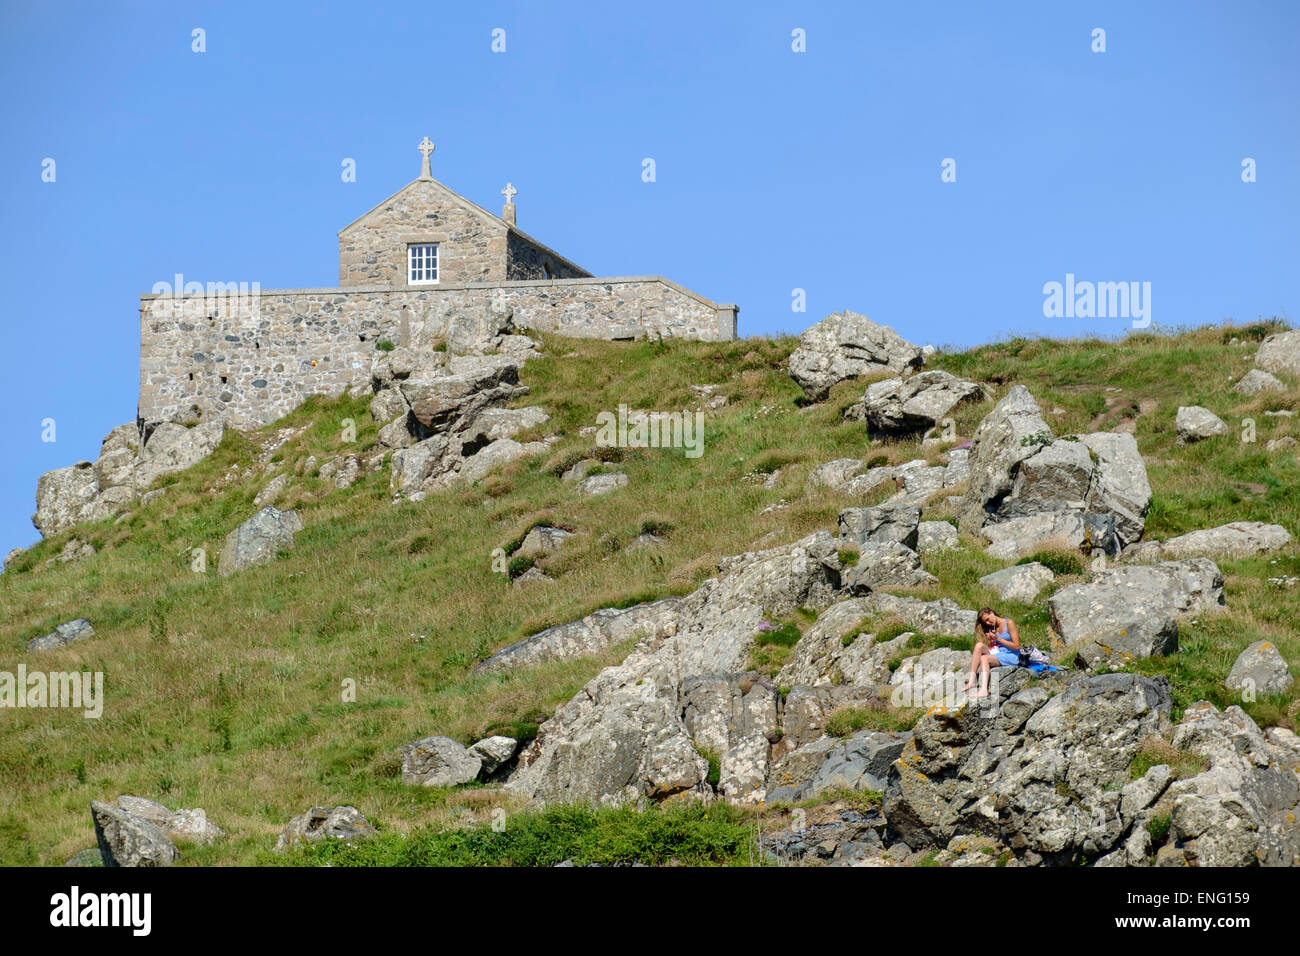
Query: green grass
point(226, 693)
point(677, 834)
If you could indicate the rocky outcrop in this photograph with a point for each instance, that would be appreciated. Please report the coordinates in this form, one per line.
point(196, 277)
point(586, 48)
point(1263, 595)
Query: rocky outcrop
point(445, 417)
point(92, 491)
point(590, 635)
point(1194, 423)
point(883, 564)
point(899, 406)
point(1041, 773)
point(1131, 612)
point(321, 823)
point(1013, 431)
point(1028, 489)
point(1280, 352)
point(846, 345)
point(623, 738)
point(836, 651)
point(863, 526)
point(1242, 810)
point(1239, 539)
point(258, 540)
point(128, 840)
point(69, 632)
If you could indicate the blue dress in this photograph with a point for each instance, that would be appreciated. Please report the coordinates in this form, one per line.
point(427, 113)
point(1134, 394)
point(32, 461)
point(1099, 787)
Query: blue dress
point(1005, 655)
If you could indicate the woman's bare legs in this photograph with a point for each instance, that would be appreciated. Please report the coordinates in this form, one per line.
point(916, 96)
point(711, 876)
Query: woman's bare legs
point(981, 650)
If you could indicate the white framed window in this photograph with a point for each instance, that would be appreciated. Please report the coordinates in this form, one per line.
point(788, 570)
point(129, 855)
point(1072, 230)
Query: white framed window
point(422, 263)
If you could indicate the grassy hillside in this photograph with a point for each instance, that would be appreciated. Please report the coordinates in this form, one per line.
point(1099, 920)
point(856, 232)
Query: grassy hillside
point(226, 693)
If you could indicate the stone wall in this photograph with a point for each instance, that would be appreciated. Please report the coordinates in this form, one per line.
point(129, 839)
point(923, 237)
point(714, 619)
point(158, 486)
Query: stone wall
point(250, 360)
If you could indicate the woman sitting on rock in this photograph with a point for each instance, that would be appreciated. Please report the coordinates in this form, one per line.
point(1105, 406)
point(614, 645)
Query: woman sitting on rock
point(997, 644)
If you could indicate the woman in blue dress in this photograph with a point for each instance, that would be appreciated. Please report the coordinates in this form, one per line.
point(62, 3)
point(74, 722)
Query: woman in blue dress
point(997, 644)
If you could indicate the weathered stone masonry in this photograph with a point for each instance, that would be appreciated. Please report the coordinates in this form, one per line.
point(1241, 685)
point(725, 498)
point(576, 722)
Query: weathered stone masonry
point(249, 360)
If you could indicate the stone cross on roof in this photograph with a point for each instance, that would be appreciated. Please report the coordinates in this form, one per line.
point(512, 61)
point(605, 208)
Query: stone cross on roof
point(510, 193)
point(426, 147)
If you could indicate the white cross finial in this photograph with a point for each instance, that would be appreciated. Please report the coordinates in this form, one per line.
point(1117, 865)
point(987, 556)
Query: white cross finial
point(426, 147)
point(510, 193)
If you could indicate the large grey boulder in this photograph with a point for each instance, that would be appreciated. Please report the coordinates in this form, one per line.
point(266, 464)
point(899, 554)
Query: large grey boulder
point(835, 474)
point(495, 455)
point(860, 762)
point(322, 823)
point(69, 632)
point(904, 406)
point(1131, 612)
point(734, 718)
point(1119, 487)
point(258, 540)
point(1194, 423)
point(172, 448)
point(192, 825)
point(881, 524)
point(1256, 381)
point(438, 762)
point(1055, 478)
point(918, 482)
point(1020, 582)
point(935, 536)
point(492, 424)
point(944, 616)
point(1280, 352)
point(845, 345)
point(1238, 539)
point(127, 840)
point(1260, 669)
point(1013, 431)
point(451, 399)
point(590, 635)
point(1018, 537)
point(62, 495)
point(883, 564)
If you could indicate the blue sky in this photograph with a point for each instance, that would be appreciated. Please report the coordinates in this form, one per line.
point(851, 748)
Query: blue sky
point(775, 170)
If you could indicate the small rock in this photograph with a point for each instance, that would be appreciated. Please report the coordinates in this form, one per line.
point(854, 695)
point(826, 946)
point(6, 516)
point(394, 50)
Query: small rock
point(1020, 582)
point(319, 823)
point(494, 752)
point(1260, 668)
point(1195, 423)
point(542, 540)
point(601, 484)
point(67, 633)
